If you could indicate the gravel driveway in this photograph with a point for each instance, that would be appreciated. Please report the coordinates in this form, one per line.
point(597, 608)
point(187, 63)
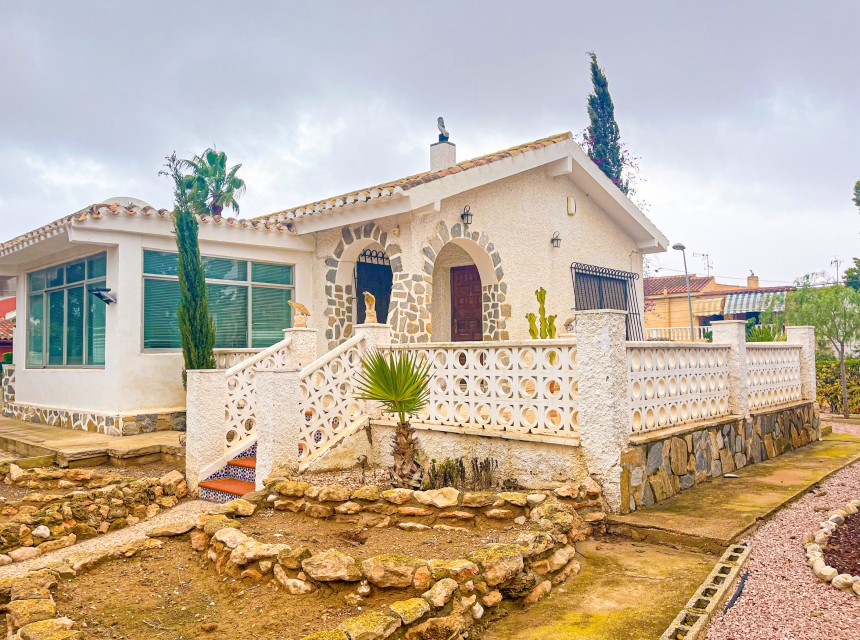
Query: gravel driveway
point(782, 599)
point(182, 512)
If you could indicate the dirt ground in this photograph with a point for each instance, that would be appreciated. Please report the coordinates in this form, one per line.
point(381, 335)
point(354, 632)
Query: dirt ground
point(843, 548)
point(348, 534)
point(174, 594)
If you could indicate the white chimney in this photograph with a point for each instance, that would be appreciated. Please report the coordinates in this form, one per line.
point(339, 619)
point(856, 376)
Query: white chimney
point(442, 155)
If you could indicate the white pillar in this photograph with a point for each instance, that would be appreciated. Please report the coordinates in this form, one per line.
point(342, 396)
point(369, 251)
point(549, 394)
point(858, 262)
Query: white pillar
point(206, 399)
point(304, 344)
point(733, 333)
point(278, 422)
point(805, 337)
point(604, 409)
point(375, 335)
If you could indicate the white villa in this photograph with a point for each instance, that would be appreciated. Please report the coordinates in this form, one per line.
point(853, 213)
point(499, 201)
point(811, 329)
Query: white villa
point(454, 257)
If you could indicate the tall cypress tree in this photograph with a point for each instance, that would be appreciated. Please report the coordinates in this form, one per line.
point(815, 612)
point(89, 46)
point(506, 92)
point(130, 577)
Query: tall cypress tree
point(603, 141)
point(196, 326)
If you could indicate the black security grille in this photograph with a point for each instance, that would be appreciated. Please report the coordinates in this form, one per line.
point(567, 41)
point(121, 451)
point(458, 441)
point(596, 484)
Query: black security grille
point(373, 273)
point(602, 288)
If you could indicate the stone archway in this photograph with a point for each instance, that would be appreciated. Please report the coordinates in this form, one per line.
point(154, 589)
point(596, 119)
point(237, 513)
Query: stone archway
point(339, 314)
point(483, 255)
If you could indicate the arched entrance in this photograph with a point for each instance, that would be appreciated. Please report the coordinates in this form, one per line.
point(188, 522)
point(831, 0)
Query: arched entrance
point(467, 291)
point(373, 275)
point(364, 257)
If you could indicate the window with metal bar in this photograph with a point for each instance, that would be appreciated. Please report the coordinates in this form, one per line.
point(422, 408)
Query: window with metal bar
point(597, 287)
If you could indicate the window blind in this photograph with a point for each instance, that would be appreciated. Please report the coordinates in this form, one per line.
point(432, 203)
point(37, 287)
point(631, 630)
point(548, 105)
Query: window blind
point(270, 315)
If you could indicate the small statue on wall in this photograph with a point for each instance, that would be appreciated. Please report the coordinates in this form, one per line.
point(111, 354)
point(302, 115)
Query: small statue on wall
point(301, 314)
point(370, 308)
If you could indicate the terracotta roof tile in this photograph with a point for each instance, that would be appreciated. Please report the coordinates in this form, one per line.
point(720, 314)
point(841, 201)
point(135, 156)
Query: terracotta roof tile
point(674, 284)
point(404, 184)
point(100, 211)
point(6, 329)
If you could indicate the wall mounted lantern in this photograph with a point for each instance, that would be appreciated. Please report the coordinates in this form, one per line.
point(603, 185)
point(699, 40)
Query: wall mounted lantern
point(555, 240)
point(103, 294)
point(466, 216)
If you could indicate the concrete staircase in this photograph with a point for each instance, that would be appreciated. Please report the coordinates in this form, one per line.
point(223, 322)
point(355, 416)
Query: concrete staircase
point(234, 480)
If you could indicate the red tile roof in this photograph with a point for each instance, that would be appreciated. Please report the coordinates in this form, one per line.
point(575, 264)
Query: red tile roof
point(6, 329)
point(99, 211)
point(404, 184)
point(674, 284)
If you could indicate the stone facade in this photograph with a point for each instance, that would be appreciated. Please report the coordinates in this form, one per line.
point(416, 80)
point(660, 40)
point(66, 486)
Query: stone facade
point(8, 384)
point(409, 311)
point(659, 467)
point(108, 424)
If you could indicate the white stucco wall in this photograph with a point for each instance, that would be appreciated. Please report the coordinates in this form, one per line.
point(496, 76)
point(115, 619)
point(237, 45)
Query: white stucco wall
point(133, 379)
point(519, 216)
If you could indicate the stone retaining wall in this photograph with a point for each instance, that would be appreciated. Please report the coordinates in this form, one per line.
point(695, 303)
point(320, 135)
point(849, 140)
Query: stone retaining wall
point(39, 524)
point(111, 424)
point(655, 468)
point(43, 478)
point(442, 596)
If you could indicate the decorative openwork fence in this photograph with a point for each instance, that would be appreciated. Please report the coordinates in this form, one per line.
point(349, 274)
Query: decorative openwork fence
point(676, 334)
point(773, 374)
point(521, 387)
point(240, 421)
point(227, 358)
point(328, 403)
point(670, 384)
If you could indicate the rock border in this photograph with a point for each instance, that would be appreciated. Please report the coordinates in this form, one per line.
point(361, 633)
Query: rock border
point(28, 601)
point(692, 622)
point(453, 594)
point(63, 520)
point(815, 543)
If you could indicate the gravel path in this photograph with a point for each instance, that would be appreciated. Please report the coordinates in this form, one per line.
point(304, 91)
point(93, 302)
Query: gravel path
point(182, 512)
point(782, 599)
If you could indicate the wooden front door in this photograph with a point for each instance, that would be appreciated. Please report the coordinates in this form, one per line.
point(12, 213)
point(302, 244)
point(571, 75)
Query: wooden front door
point(466, 304)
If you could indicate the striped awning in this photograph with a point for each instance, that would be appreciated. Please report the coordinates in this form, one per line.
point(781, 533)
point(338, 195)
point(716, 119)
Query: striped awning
point(754, 301)
point(710, 306)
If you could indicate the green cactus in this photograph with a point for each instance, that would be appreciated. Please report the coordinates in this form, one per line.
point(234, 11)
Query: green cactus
point(547, 323)
point(533, 330)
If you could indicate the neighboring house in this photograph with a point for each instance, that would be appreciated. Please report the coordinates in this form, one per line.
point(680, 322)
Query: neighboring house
point(667, 311)
point(7, 308)
point(7, 328)
point(452, 254)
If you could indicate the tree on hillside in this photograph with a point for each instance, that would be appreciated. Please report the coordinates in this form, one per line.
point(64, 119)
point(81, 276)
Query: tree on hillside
point(211, 186)
point(852, 275)
point(196, 326)
point(834, 311)
point(603, 138)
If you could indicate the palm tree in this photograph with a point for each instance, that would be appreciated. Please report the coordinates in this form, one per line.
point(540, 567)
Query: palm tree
point(401, 384)
point(212, 186)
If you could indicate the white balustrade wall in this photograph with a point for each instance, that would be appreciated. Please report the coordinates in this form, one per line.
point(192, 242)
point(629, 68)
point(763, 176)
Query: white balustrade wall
point(227, 358)
point(773, 374)
point(676, 334)
point(671, 384)
point(528, 387)
point(328, 404)
point(240, 421)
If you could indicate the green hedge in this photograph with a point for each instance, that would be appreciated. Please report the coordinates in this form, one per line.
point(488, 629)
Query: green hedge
point(830, 389)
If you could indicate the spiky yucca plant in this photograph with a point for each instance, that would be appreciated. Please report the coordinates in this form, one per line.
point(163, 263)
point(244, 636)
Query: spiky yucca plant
point(400, 382)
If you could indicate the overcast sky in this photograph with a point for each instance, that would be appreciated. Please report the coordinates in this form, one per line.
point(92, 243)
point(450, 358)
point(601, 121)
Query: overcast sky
point(746, 114)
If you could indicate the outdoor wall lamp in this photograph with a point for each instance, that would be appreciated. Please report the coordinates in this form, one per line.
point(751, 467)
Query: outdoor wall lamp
point(104, 295)
point(466, 216)
point(555, 240)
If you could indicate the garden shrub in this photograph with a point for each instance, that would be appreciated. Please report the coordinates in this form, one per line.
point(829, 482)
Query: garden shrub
point(830, 388)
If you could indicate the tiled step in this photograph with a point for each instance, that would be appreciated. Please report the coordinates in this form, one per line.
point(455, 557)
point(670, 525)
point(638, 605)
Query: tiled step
point(230, 486)
point(246, 463)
